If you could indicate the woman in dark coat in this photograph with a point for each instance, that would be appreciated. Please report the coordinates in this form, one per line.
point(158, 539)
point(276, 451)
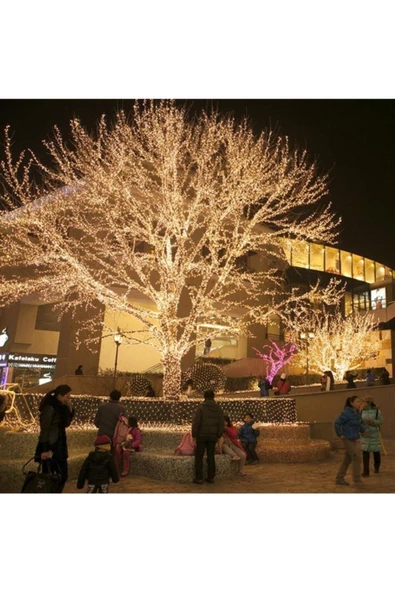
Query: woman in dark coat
point(56, 414)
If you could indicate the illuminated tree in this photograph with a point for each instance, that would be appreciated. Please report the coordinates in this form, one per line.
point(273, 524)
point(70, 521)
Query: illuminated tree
point(337, 343)
point(153, 216)
point(276, 357)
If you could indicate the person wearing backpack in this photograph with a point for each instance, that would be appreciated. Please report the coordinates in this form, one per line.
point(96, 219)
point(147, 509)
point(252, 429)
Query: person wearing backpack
point(207, 429)
point(372, 418)
point(98, 468)
point(107, 415)
point(132, 443)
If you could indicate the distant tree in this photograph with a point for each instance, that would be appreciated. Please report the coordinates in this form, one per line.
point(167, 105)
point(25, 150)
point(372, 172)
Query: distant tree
point(276, 357)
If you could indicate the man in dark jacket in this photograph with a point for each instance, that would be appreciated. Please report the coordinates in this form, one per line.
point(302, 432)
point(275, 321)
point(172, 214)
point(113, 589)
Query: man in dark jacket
point(207, 428)
point(108, 414)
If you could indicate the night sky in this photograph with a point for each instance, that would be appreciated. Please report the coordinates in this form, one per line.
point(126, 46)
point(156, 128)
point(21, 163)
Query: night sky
point(352, 139)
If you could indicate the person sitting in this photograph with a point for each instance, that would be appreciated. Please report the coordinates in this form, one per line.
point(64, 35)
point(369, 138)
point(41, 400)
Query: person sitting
point(232, 446)
point(98, 468)
point(248, 435)
point(283, 385)
point(131, 444)
point(149, 391)
point(350, 379)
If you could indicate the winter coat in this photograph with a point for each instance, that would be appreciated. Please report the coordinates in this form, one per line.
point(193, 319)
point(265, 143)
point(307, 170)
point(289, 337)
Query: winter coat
point(264, 387)
point(372, 442)
point(107, 417)
point(349, 424)
point(55, 417)
point(208, 422)
point(231, 434)
point(135, 442)
point(283, 387)
point(97, 469)
point(248, 433)
point(350, 381)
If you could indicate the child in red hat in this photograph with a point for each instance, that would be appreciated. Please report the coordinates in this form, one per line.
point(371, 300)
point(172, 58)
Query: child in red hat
point(98, 468)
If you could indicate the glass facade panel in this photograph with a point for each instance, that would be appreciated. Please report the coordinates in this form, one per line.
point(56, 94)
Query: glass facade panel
point(369, 271)
point(332, 260)
point(378, 298)
point(380, 272)
point(317, 257)
point(346, 264)
point(286, 245)
point(300, 254)
point(347, 303)
point(358, 267)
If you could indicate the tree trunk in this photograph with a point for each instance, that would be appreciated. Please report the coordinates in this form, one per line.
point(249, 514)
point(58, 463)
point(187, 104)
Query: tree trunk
point(171, 376)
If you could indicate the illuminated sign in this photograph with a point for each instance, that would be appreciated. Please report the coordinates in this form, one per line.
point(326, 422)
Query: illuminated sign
point(38, 361)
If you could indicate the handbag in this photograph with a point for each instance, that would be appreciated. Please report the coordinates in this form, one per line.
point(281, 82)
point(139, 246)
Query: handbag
point(40, 482)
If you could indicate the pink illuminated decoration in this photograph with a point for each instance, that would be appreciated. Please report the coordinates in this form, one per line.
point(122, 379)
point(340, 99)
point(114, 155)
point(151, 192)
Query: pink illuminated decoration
point(276, 357)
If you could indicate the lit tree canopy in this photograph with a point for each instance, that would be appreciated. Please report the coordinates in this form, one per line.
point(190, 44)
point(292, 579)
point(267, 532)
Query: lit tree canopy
point(337, 343)
point(276, 356)
point(157, 211)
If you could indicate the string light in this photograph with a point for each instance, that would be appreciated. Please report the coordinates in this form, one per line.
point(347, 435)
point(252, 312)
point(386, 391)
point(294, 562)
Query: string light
point(206, 376)
point(276, 357)
point(164, 413)
point(152, 218)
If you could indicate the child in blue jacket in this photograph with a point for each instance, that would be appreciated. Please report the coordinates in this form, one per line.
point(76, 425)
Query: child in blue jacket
point(248, 437)
point(348, 427)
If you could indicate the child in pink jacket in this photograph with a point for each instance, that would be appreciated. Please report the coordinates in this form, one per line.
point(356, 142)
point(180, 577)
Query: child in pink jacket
point(131, 444)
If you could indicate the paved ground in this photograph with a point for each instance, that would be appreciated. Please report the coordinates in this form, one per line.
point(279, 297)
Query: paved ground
point(271, 478)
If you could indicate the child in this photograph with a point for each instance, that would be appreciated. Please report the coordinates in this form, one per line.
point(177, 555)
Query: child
point(232, 446)
point(248, 437)
point(98, 468)
point(131, 444)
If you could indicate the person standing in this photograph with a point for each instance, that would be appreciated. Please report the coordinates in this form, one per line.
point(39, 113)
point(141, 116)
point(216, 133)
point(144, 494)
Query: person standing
point(207, 429)
point(264, 386)
point(369, 378)
point(79, 371)
point(207, 347)
point(350, 379)
point(385, 377)
point(348, 427)
point(372, 418)
point(56, 414)
point(283, 385)
point(248, 435)
point(108, 414)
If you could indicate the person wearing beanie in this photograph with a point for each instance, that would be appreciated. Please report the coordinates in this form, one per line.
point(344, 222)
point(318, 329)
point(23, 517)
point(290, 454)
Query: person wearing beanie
point(283, 385)
point(99, 467)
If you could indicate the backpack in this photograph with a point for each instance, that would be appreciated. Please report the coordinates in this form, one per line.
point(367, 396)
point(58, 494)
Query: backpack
point(121, 430)
point(187, 446)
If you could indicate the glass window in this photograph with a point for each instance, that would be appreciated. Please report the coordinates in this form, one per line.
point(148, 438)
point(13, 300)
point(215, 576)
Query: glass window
point(347, 303)
point(286, 245)
point(380, 272)
point(332, 260)
point(346, 263)
point(369, 271)
point(317, 257)
point(378, 298)
point(358, 267)
point(300, 254)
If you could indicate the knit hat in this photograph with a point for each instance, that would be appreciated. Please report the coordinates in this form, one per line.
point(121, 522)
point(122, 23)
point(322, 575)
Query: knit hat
point(283, 376)
point(102, 440)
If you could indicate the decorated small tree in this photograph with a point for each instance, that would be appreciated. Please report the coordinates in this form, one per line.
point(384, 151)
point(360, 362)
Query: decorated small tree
point(153, 217)
point(276, 356)
point(337, 343)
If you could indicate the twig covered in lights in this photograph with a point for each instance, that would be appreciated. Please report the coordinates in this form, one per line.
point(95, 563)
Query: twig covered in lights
point(154, 216)
point(276, 356)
